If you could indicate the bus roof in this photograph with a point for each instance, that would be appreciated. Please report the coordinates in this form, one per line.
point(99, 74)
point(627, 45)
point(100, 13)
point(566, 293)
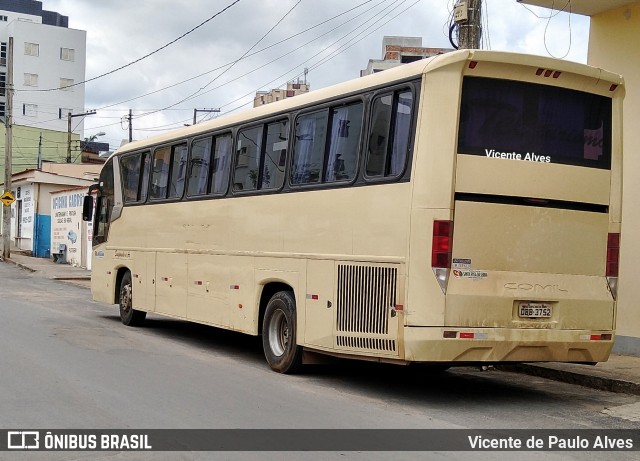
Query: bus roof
point(403, 72)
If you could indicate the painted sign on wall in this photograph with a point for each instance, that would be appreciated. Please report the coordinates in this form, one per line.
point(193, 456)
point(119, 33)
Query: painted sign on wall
point(66, 224)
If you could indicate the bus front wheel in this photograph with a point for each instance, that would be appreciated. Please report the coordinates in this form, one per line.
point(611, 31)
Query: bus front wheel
point(279, 334)
point(129, 316)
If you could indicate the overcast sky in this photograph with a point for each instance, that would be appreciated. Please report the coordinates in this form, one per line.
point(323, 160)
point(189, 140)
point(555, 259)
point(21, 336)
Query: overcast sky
point(122, 31)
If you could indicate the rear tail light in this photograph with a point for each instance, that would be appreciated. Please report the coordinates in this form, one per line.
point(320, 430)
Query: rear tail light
point(441, 245)
point(613, 256)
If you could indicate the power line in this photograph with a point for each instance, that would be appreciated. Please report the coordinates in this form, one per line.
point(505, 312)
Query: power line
point(382, 12)
point(228, 68)
point(143, 57)
point(232, 62)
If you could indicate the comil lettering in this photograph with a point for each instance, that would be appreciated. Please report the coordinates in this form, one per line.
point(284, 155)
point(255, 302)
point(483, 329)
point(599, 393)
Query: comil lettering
point(528, 157)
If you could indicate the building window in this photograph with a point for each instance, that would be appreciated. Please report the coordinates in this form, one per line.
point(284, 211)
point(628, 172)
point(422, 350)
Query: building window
point(3, 53)
point(3, 83)
point(66, 84)
point(30, 79)
point(30, 110)
point(4, 18)
point(31, 49)
point(2, 109)
point(67, 54)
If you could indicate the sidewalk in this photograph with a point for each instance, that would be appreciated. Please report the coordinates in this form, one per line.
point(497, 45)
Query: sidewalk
point(45, 267)
point(620, 374)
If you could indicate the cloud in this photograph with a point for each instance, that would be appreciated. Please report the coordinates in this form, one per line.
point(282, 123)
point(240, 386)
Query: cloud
point(119, 32)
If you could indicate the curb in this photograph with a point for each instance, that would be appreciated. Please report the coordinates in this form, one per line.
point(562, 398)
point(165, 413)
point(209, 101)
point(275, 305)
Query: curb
point(581, 379)
point(21, 266)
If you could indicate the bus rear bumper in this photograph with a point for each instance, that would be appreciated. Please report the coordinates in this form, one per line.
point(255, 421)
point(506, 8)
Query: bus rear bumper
point(493, 345)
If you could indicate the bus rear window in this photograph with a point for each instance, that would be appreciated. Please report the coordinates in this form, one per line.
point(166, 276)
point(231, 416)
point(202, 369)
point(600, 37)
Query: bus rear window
point(525, 121)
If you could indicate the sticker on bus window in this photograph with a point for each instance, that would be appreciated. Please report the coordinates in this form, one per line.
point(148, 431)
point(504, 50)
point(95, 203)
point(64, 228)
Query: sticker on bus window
point(461, 263)
point(99, 254)
point(470, 274)
point(528, 157)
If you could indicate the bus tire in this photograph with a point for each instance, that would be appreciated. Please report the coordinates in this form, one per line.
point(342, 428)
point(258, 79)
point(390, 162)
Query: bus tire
point(130, 317)
point(279, 334)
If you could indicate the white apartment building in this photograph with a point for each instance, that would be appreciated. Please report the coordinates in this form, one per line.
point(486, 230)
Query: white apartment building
point(46, 55)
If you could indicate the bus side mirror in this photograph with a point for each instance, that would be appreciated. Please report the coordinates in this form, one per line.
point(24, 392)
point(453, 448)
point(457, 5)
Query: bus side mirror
point(87, 208)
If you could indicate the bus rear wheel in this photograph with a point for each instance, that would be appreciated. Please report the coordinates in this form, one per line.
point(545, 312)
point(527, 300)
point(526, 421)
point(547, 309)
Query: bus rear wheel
point(129, 316)
point(279, 334)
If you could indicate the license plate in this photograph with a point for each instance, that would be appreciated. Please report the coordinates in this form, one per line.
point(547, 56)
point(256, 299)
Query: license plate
point(535, 310)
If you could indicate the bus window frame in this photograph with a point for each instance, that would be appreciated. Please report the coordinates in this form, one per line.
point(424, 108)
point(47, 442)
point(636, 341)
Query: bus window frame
point(327, 106)
point(230, 131)
point(139, 200)
point(280, 117)
point(394, 90)
point(414, 84)
point(171, 147)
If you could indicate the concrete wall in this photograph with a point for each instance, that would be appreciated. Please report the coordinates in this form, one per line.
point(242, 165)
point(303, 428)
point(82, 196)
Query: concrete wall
point(25, 154)
point(614, 44)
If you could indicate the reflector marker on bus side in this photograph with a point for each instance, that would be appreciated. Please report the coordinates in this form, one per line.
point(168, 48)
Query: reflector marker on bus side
point(603, 337)
point(314, 297)
point(197, 282)
point(234, 287)
point(613, 87)
point(451, 334)
point(165, 279)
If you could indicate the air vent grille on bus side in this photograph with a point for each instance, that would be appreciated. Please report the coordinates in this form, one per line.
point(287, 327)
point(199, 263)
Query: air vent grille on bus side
point(367, 343)
point(365, 296)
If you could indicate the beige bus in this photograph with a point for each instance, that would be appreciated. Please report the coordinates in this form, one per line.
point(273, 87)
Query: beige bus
point(463, 209)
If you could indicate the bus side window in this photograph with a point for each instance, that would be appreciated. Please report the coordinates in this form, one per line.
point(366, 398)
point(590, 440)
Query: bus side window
point(275, 155)
point(104, 204)
point(344, 143)
point(248, 147)
point(144, 184)
point(160, 174)
point(221, 163)
point(178, 171)
point(308, 155)
point(388, 144)
point(130, 173)
point(199, 167)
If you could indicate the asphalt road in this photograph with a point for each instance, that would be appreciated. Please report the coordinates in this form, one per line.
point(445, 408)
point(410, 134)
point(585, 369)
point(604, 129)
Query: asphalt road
point(67, 362)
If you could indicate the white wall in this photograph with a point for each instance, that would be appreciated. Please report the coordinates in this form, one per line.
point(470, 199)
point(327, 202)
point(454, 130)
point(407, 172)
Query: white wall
point(50, 68)
point(25, 207)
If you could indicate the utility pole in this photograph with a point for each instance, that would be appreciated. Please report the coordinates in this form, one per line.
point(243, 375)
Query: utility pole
point(40, 152)
point(8, 146)
point(69, 117)
point(130, 118)
point(195, 112)
point(467, 16)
